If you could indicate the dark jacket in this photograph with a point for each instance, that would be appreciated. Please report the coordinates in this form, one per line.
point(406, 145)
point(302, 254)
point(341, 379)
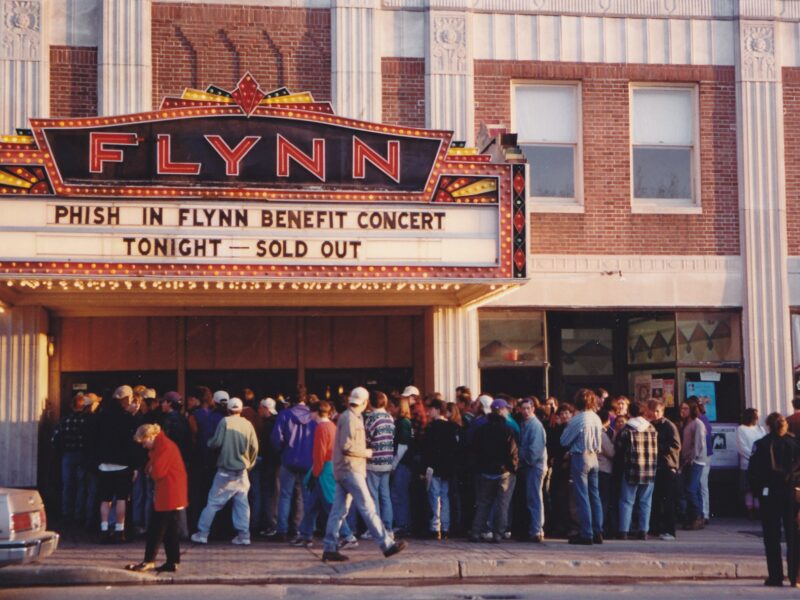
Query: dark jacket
point(71, 434)
point(440, 448)
point(494, 447)
point(773, 464)
point(293, 436)
point(669, 444)
point(113, 439)
point(176, 426)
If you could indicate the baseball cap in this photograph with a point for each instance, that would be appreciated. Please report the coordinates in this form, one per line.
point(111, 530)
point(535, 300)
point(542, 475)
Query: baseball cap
point(235, 405)
point(150, 393)
point(410, 390)
point(172, 398)
point(486, 403)
point(269, 404)
point(221, 397)
point(123, 391)
point(500, 404)
point(358, 396)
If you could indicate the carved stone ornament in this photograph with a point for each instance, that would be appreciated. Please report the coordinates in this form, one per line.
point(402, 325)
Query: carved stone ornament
point(20, 29)
point(758, 53)
point(449, 51)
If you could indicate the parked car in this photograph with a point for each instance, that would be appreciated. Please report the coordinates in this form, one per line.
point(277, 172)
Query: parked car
point(23, 528)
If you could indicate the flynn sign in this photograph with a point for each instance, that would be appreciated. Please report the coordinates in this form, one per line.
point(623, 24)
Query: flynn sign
point(274, 182)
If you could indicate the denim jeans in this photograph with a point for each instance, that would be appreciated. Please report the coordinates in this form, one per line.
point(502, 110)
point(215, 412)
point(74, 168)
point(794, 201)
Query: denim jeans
point(352, 488)
point(534, 478)
point(692, 474)
point(401, 497)
point(493, 495)
point(439, 499)
point(73, 486)
point(314, 503)
point(584, 471)
point(704, 489)
point(378, 484)
point(289, 482)
point(228, 485)
point(262, 496)
point(628, 494)
point(142, 500)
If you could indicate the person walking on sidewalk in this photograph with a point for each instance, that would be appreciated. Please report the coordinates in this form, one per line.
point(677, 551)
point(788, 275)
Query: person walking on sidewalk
point(238, 444)
point(772, 472)
point(582, 437)
point(638, 447)
point(166, 468)
point(350, 454)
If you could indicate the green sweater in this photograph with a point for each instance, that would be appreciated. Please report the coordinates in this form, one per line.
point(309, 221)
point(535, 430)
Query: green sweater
point(238, 444)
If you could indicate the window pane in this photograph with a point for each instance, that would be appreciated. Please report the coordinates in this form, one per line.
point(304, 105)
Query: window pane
point(511, 338)
point(796, 340)
point(546, 113)
point(662, 173)
point(552, 170)
point(663, 117)
point(587, 352)
point(651, 341)
point(711, 337)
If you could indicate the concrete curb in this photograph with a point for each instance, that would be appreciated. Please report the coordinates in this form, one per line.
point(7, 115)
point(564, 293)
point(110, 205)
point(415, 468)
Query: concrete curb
point(409, 572)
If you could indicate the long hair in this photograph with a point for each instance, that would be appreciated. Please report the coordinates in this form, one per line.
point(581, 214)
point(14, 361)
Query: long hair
point(454, 414)
point(585, 399)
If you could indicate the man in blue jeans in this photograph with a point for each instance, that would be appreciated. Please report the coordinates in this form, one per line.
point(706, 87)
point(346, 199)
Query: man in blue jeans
point(350, 454)
point(582, 438)
point(532, 463)
point(638, 447)
point(293, 437)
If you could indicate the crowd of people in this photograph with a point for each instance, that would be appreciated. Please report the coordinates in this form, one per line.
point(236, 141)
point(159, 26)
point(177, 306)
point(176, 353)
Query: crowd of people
point(384, 467)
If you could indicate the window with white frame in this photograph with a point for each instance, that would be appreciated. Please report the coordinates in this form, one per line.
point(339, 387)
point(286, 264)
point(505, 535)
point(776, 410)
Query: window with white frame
point(664, 147)
point(547, 121)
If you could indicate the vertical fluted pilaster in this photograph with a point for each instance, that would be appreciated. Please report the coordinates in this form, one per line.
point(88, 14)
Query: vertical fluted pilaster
point(455, 349)
point(356, 60)
point(124, 59)
point(762, 209)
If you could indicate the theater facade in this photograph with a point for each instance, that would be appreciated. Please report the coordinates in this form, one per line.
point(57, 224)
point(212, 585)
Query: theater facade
point(526, 197)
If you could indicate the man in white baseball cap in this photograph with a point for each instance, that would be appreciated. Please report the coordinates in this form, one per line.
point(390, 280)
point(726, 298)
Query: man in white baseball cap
point(412, 393)
point(350, 454)
point(231, 480)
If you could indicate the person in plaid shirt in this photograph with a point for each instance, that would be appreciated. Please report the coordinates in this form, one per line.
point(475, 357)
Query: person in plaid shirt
point(638, 445)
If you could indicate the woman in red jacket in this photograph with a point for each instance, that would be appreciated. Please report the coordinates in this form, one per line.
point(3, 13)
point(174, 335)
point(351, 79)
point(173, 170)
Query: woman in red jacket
point(171, 495)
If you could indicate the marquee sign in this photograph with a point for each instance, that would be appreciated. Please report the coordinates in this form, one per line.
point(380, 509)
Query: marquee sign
point(273, 184)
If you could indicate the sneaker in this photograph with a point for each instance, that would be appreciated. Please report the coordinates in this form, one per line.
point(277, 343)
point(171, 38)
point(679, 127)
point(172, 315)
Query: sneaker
point(240, 540)
point(487, 536)
point(366, 535)
point(267, 533)
point(141, 567)
point(507, 535)
point(199, 538)
point(395, 548)
point(335, 556)
point(302, 543)
point(667, 537)
point(348, 544)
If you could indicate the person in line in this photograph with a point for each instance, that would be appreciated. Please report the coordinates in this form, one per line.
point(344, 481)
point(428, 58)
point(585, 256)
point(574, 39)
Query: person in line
point(402, 469)
point(439, 454)
point(638, 446)
point(166, 468)
point(662, 522)
point(773, 473)
point(605, 462)
point(693, 461)
point(238, 444)
point(265, 514)
point(582, 437)
point(496, 462)
point(380, 430)
point(747, 434)
point(350, 454)
point(532, 463)
point(70, 439)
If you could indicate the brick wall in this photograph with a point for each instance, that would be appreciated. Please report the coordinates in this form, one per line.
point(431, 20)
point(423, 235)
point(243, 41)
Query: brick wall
point(791, 133)
point(608, 226)
point(73, 81)
point(403, 91)
point(195, 45)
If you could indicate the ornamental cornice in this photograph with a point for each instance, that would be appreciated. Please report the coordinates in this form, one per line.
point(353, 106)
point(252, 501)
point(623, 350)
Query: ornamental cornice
point(20, 29)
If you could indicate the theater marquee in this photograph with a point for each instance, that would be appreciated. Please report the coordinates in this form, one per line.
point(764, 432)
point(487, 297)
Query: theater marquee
point(261, 185)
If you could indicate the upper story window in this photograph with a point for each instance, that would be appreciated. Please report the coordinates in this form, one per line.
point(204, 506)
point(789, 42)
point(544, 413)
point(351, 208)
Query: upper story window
point(664, 149)
point(546, 118)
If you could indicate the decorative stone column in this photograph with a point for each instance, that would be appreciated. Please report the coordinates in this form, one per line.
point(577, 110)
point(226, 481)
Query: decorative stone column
point(455, 349)
point(762, 219)
point(356, 59)
point(124, 58)
point(23, 392)
point(24, 64)
point(448, 74)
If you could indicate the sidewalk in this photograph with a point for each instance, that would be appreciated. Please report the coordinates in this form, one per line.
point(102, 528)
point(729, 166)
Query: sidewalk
point(727, 549)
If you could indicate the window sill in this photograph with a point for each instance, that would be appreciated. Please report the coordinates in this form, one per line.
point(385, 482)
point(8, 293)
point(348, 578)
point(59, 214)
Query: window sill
point(564, 206)
point(646, 208)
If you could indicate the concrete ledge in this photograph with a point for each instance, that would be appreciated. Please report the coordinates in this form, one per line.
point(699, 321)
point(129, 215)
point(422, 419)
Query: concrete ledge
point(396, 569)
point(37, 576)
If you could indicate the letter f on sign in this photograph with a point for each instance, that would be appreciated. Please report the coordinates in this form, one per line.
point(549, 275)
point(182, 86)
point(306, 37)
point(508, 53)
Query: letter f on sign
point(99, 154)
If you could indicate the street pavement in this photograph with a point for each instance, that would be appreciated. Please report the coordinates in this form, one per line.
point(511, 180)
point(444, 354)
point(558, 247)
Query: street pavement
point(727, 549)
